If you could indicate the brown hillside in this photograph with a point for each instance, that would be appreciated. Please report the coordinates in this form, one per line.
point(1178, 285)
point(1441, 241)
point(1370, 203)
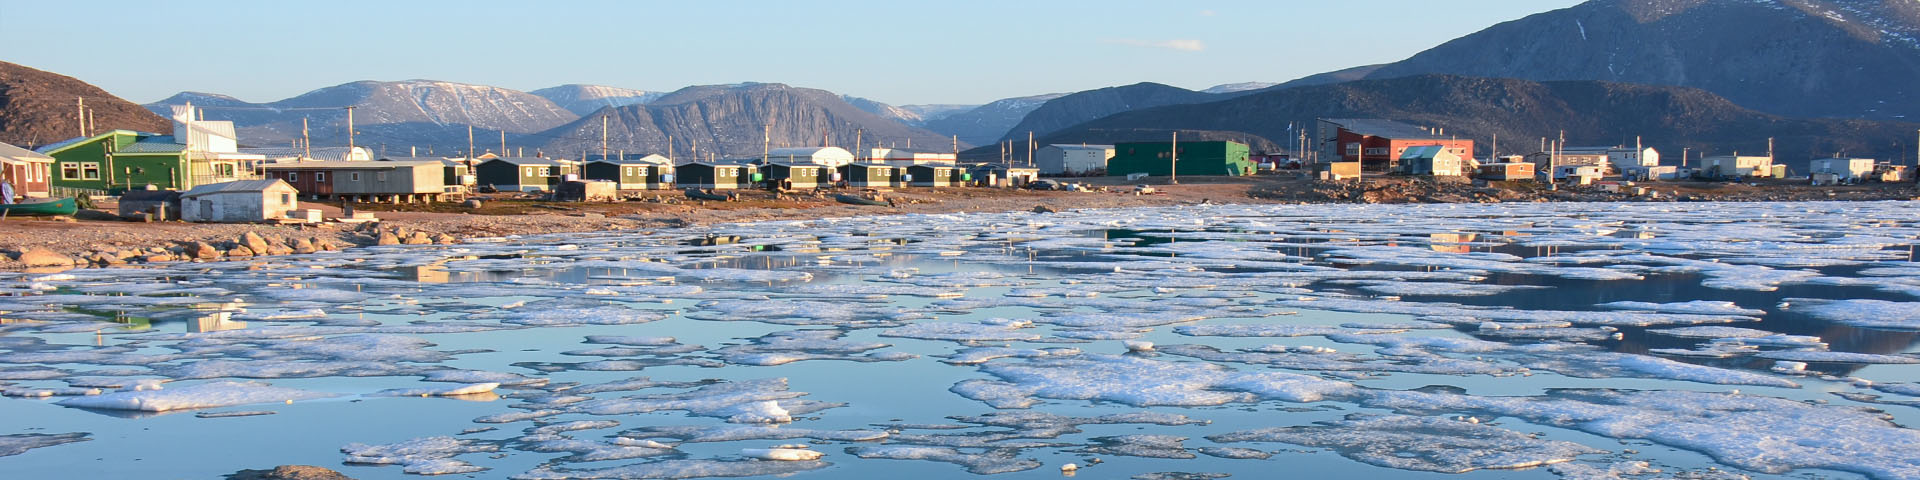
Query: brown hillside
point(37, 108)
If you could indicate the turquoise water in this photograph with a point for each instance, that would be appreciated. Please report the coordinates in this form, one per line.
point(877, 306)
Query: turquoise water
point(1478, 338)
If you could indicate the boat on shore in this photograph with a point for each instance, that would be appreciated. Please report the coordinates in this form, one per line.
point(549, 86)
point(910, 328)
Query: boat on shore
point(859, 200)
point(41, 208)
point(701, 195)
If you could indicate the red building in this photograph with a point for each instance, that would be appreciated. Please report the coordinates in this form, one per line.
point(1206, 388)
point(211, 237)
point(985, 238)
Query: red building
point(26, 170)
point(1379, 143)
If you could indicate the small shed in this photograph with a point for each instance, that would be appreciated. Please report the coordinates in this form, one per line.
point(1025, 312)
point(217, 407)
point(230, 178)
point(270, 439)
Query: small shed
point(1648, 174)
point(629, 172)
point(1336, 170)
point(868, 174)
point(587, 191)
point(1432, 160)
point(27, 171)
point(790, 176)
point(1578, 174)
point(1507, 171)
point(166, 203)
point(715, 176)
point(239, 201)
point(933, 175)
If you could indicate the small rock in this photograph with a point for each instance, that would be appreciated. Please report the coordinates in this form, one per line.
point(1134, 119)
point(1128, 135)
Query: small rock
point(278, 249)
point(40, 257)
point(419, 238)
point(157, 258)
point(446, 239)
point(387, 238)
point(321, 244)
point(1044, 209)
point(303, 246)
point(240, 251)
point(203, 251)
point(290, 472)
point(471, 203)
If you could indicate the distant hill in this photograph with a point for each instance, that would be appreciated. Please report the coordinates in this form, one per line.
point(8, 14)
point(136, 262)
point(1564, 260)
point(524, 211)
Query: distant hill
point(987, 123)
point(890, 112)
point(38, 108)
point(426, 113)
point(1521, 112)
point(1238, 87)
point(1079, 107)
point(1837, 58)
point(727, 121)
point(584, 99)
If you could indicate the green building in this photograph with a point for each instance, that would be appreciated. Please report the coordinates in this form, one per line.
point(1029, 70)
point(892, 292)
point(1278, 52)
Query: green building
point(125, 159)
point(1196, 158)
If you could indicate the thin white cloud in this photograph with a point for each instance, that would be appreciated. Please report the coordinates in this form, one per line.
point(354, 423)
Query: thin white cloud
point(1206, 13)
point(1177, 44)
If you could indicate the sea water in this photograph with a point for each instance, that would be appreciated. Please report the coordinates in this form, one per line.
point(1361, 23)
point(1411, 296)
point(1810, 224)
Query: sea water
point(1702, 340)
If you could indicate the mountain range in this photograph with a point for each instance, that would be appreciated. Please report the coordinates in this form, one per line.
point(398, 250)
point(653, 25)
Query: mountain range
point(38, 108)
point(584, 99)
point(727, 121)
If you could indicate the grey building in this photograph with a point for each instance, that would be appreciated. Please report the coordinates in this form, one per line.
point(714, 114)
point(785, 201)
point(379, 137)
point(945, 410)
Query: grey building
point(1082, 159)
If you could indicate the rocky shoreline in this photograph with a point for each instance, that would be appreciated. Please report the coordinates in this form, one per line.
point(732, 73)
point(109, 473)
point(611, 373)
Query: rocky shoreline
point(49, 244)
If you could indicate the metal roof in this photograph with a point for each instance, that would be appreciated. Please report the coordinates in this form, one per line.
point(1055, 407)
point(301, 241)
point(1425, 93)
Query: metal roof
point(342, 164)
point(155, 144)
point(527, 160)
point(1081, 147)
point(807, 151)
point(16, 154)
point(1384, 128)
point(235, 186)
point(1422, 151)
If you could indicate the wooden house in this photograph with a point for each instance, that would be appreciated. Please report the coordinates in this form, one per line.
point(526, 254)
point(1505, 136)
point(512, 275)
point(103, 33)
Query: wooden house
point(28, 172)
point(239, 201)
point(925, 175)
point(383, 181)
point(629, 172)
point(522, 174)
point(712, 176)
point(1507, 171)
point(868, 175)
point(795, 176)
point(1431, 160)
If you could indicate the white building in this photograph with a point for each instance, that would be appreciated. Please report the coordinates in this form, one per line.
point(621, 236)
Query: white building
point(1624, 158)
point(315, 154)
point(1072, 159)
point(1736, 166)
point(901, 157)
point(1433, 160)
point(239, 201)
point(211, 147)
point(1847, 170)
point(829, 156)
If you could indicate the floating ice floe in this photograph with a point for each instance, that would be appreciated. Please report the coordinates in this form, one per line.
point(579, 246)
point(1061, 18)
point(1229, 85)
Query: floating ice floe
point(1138, 382)
point(1147, 445)
point(987, 462)
point(422, 456)
point(790, 346)
point(205, 395)
point(19, 443)
point(1704, 307)
point(1861, 312)
point(674, 470)
point(1420, 443)
point(473, 389)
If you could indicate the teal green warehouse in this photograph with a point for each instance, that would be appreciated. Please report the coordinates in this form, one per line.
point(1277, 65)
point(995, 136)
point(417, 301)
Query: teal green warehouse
point(1196, 158)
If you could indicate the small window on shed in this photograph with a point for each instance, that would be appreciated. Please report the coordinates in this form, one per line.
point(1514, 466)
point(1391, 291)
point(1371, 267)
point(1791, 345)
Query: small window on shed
point(319, 176)
point(286, 199)
point(293, 176)
point(353, 176)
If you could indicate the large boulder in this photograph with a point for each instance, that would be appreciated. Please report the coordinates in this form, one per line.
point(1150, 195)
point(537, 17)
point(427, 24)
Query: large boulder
point(387, 238)
point(254, 242)
point(203, 251)
point(303, 246)
point(242, 251)
point(419, 238)
point(41, 257)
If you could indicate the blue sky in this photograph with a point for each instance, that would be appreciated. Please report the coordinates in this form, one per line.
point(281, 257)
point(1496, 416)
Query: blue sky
point(899, 52)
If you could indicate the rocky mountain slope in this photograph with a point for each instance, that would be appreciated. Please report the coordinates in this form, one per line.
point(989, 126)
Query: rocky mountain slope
point(1839, 58)
point(584, 99)
point(726, 121)
point(38, 108)
point(1080, 107)
point(1521, 112)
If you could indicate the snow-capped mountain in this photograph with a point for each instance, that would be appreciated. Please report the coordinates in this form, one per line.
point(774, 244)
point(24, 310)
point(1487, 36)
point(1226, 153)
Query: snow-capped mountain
point(732, 121)
point(584, 99)
point(986, 123)
point(403, 113)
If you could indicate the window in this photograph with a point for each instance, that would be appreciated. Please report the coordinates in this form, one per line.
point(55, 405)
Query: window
point(286, 198)
point(353, 176)
point(546, 171)
point(69, 171)
point(90, 171)
point(293, 176)
point(529, 171)
point(319, 176)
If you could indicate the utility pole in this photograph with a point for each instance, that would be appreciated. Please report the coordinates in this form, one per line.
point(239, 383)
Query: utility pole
point(859, 141)
point(603, 136)
point(1173, 156)
point(350, 131)
point(306, 141)
point(1029, 148)
point(470, 142)
point(80, 114)
point(1683, 156)
point(503, 143)
point(956, 147)
point(1495, 153)
point(766, 143)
